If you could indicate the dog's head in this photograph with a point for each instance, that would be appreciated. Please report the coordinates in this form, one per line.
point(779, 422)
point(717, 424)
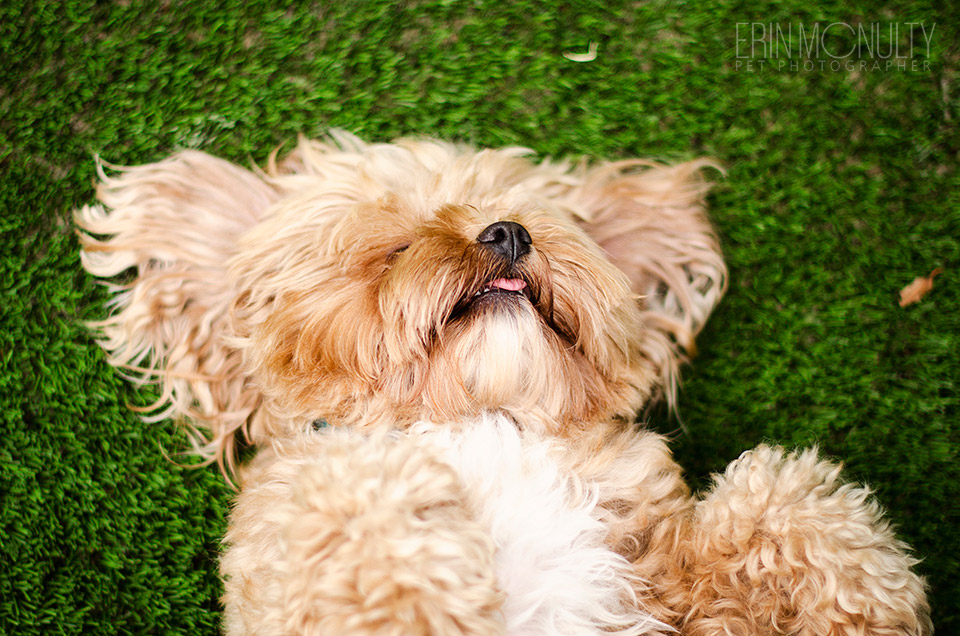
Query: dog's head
point(423, 280)
point(381, 284)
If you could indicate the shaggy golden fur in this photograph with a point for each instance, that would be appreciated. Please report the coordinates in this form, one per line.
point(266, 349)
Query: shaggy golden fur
point(374, 287)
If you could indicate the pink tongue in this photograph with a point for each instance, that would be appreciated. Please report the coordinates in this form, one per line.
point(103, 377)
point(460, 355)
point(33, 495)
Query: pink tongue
point(510, 284)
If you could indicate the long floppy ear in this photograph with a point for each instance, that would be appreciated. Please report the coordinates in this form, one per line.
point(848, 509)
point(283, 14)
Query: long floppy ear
point(177, 223)
point(651, 221)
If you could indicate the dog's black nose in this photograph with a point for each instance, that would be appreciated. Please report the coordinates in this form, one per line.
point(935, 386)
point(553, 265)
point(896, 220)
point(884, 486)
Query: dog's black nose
point(508, 239)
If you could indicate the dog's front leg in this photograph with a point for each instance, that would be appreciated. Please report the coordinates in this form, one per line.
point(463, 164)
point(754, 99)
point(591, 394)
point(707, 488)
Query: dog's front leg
point(780, 545)
point(338, 533)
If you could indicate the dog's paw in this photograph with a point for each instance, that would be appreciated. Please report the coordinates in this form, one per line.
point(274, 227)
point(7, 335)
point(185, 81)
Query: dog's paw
point(781, 545)
point(352, 535)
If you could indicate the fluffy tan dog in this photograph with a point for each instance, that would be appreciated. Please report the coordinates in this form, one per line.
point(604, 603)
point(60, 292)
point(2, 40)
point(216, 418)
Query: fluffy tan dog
point(440, 353)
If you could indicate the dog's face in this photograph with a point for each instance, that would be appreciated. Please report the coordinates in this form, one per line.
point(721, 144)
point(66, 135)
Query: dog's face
point(381, 284)
point(401, 306)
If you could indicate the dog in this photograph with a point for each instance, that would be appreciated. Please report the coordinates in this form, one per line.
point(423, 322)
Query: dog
point(440, 354)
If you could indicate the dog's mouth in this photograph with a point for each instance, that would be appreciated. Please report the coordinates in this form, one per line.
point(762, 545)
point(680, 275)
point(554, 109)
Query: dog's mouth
point(500, 291)
point(505, 291)
point(502, 286)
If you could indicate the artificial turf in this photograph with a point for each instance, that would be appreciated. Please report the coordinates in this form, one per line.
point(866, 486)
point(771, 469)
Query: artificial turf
point(841, 187)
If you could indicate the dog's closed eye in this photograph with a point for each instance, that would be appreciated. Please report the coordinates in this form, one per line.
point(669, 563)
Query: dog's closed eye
point(395, 253)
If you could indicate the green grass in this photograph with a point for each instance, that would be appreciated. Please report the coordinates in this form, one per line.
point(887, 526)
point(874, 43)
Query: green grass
point(841, 188)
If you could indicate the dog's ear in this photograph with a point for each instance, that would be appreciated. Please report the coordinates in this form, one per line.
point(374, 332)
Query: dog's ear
point(651, 221)
point(174, 225)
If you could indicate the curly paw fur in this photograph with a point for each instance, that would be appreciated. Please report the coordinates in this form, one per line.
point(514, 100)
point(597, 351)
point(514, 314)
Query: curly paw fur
point(782, 545)
point(357, 536)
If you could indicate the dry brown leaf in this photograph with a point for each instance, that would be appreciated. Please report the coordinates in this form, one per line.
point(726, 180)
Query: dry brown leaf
point(918, 288)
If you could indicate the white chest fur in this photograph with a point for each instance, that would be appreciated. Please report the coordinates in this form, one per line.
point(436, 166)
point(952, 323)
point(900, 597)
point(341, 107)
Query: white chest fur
point(558, 575)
